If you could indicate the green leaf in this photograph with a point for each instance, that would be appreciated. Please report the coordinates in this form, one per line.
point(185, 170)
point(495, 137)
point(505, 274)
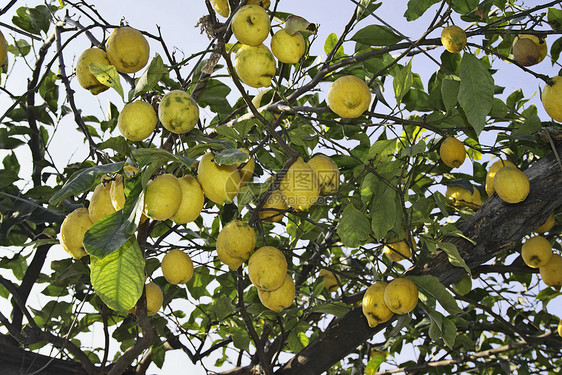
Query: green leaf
point(476, 91)
point(354, 227)
point(118, 279)
point(367, 7)
point(151, 76)
point(83, 180)
point(416, 8)
point(441, 327)
point(329, 45)
point(214, 95)
point(336, 309)
point(555, 50)
point(464, 6)
point(231, 156)
point(223, 307)
point(20, 48)
point(376, 35)
point(430, 285)
point(449, 91)
point(532, 123)
point(33, 20)
point(453, 254)
point(403, 81)
point(158, 354)
point(554, 18)
point(107, 75)
point(240, 338)
point(145, 156)
point(384, 213)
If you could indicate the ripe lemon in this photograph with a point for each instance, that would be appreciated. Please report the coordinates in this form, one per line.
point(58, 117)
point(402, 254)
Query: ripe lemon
point(551, 273)
point(230, 261)
point(117, 189)
point(453, 38)
point(327, 173)
point(331, 281)
point(127, 49)
point(280, 298)
point(177, 267)
point(525, 51)
point(286, 47)
point(374, 308)
point(536, 251)
point(396, 251)
point(250, 25)
point(463, 197)
point(162, 197)
point(547, 225)
point(349, 96)
point(178, 112)
point(271, 210)
point(452, 152)
point(255, 66)
point(222, 7)
point(100, 203)
point(154, 298)
point(137, 120)
point(463, 286)
point(541, 44)
point(72, 231)
point(511, 184)
point(552, 98)
point(220, 183)
point(267, 268)
point(247, 171)
point(489, 187)
point(300, 186)
point(238, 239)
point(560, 328)
point(85, 78)
point(192, 200)
point(401, 296)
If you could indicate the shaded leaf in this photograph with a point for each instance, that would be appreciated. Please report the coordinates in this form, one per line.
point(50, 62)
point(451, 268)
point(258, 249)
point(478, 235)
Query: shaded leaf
point(107, 75)
point(376, 35)
point(354, 227)
point(416, 8)
point(151, 76)
point(432, 286)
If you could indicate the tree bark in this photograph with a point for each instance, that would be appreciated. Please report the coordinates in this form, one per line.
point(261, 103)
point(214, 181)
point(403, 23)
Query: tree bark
point(17, 361)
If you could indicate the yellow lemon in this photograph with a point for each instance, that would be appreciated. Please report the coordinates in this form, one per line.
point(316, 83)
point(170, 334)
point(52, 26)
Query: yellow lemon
point(401, 296)
point(463, 286)
point(117, 189)
point(327, 173)
point(162, 197)
point(560, 328)
point(460, 196)
point(267, 268)
point(3, 48)
point(540, 43)
point(511, 184)
point(192, 200)
point(272, 209)
point(100, 203)
point(489, 187)
point(552, 98)
point(255, 66)
point(331, 281)
point(232, 262)
point(349, 96)
point(286, 47)
point(300, 186)
point(525, 51)
point(127, 49)
point(547, 225)
point(178, 112)
point(238, 239)
point(137, 120)
point(222, 7)
point(220, 183)
point(551, 273)
point(154, 298)
point(247, 171)
point(397, 251)
point(280, 298)
point(374, 308)
point(452, 152)
point(536, 251)
point(85, 78)
point(453, 38)
point(177, 267)
point(250, 25)
point(72, 231)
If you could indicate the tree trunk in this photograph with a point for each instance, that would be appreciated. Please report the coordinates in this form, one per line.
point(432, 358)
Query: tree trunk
point(17, 361)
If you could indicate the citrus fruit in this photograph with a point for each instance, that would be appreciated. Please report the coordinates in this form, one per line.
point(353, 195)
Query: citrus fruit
point(460, 196)
point(154, 298)
point(560, 328)
point(127, 49)
point(463, 286)
point(453, 38)
point(192, 200)
point(177, 267)
point(547, 225)
point(250, 25)
point(162, 197)
point(178, 112)
point(511, 184)
point(230, 261)
point(349, 96)
point(327, 173)
point(401, 296)
point(286, 47)
point(238, 239)
point(247, 171)
point(280, 298)
point(267, 268)
point(137, 120)
point(3, 48)
point(551, 273)
point(72, 231)
point(331, 281)
point(525, 51)
point(300, 186)
point(536, 251)
point(222, 7)
point(100, 203)
point(396, 251)
point(255, 65)
point(452, 152)
point(272, 209)
point(552, 98)
point(117, 189)
point(489, 187)
point(85, 77)
point(373, 304)
point(220, 183)
point(541, 43)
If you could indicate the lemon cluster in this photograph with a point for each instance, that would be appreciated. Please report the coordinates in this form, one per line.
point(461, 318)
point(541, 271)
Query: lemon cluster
point(382, 300)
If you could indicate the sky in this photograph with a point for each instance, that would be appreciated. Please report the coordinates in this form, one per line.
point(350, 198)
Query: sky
point(177, 20)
